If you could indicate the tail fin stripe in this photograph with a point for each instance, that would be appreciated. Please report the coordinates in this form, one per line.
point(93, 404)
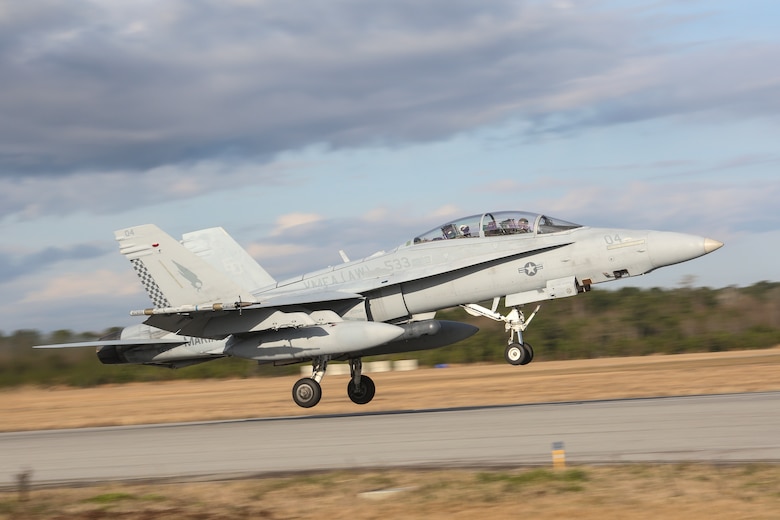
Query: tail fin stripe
point(152, 289)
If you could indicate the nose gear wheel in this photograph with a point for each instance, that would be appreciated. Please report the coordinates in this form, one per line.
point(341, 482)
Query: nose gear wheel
point(517, 351)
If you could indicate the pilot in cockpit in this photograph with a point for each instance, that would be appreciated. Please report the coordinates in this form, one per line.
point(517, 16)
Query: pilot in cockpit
point(522, 225)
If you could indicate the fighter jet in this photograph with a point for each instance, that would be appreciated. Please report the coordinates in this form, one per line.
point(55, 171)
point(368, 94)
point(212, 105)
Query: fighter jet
point(212, 300)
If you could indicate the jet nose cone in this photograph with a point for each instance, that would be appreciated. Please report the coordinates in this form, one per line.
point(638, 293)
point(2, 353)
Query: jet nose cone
point(668, 248)
point(711, 245)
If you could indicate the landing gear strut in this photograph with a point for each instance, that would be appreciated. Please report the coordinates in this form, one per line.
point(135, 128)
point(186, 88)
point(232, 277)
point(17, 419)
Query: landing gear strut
point(307, 391)
point(517, 351)
point(360, 389)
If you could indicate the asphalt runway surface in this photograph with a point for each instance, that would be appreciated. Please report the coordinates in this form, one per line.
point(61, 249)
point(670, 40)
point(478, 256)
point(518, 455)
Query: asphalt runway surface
point(713, 428)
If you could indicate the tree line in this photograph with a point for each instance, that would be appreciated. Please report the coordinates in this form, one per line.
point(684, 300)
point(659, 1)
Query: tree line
point(601, 323)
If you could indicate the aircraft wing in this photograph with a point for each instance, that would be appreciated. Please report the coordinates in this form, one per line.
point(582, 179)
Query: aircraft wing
point(310, 298)
point(275, 311)
point(307, 297)
point(165, 352)
point(172, 342)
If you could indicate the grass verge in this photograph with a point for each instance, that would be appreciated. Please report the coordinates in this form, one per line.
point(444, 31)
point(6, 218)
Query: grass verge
point(691, 491)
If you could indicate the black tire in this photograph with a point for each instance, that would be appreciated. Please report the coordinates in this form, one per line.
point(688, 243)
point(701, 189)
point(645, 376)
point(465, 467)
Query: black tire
point(364, 392)
point(529, 353)
point(306, 392)
point(515, 354)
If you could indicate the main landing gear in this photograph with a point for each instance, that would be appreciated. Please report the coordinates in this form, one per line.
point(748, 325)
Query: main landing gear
point(360, 389)
point(307, 391)
point(517, 351)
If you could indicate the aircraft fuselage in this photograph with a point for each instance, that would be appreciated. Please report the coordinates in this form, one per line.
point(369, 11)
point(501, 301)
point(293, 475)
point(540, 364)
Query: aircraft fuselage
point(425, 277)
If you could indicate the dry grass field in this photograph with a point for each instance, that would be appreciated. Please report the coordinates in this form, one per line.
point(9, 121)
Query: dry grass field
point(690, 491)
point(468, 385)
point(693, 492)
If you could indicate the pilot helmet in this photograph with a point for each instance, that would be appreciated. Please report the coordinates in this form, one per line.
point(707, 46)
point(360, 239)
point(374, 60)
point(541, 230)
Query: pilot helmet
point(522, 224)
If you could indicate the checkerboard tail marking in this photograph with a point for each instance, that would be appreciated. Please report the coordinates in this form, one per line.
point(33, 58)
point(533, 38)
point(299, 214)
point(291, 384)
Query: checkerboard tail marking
point(152, 289)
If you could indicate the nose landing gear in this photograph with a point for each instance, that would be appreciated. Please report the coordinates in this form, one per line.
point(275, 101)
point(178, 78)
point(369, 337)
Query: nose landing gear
point(517, 351)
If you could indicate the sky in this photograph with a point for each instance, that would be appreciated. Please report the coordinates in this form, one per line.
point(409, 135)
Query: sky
point(304, 128)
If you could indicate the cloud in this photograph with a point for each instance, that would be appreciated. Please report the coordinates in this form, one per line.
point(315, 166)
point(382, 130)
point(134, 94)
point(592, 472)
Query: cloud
point(740, 162)
point(709, 83)
point(102, 283)
point(103, 86)
point(378, 215)
point(291, 220)
point(446, 212)
point(686, 205)
point(31, 197)
point(14, 264)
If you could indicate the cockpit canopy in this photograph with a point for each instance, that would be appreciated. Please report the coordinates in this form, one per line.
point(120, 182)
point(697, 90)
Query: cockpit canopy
point(496, 224)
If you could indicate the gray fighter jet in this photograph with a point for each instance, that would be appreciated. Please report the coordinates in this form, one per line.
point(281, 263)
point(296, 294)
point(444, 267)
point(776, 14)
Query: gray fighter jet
point(212, 300)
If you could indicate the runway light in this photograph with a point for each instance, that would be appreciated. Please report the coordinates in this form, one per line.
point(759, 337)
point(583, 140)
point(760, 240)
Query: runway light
point(558, 455)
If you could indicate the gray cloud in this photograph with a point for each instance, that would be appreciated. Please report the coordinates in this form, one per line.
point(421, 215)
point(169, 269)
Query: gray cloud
point(713, 83)
point(107, 86)
point(109, 192)
point(14, 265)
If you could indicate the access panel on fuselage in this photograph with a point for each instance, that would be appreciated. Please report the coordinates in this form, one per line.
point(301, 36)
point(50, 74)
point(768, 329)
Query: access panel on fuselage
point(387, 304)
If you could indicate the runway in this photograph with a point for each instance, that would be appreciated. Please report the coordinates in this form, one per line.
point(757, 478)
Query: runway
point(717, 428)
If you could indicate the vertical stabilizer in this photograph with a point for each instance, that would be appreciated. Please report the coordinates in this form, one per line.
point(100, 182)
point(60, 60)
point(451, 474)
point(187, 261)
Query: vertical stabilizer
point(221, 251)
point(171, 274)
